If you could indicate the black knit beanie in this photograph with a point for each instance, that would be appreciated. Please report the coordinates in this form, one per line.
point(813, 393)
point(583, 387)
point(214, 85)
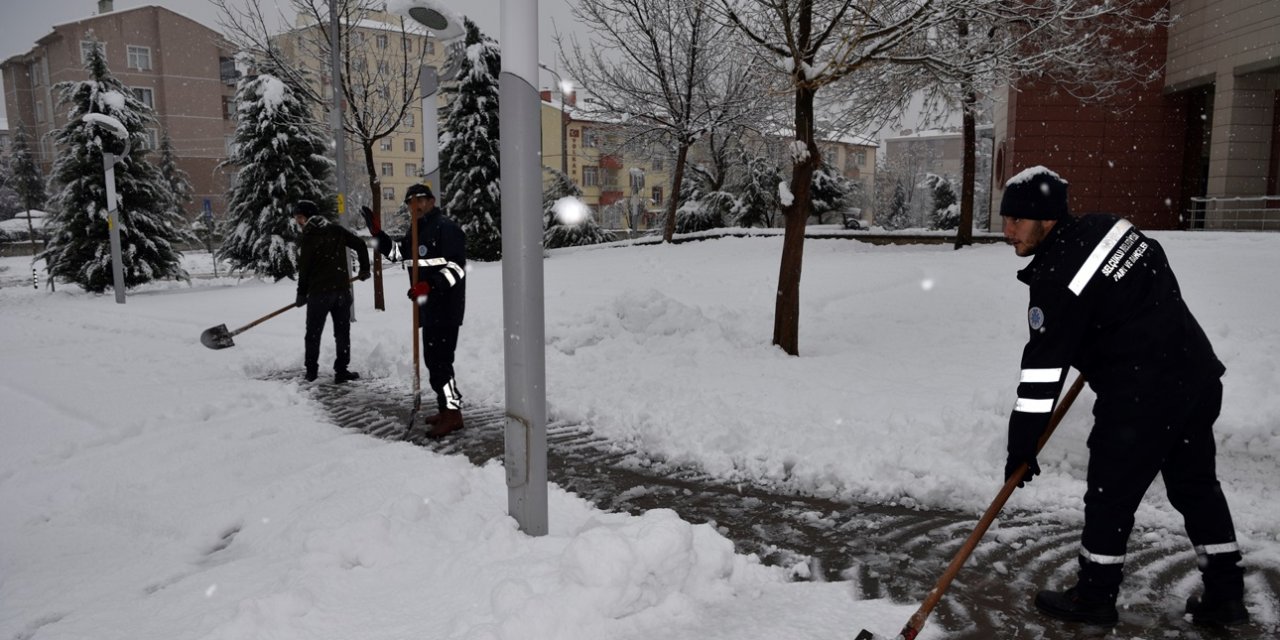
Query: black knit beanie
point(1035, 194)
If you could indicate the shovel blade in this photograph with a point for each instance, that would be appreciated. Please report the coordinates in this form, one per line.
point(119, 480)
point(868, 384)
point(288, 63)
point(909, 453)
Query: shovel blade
point(217, 337)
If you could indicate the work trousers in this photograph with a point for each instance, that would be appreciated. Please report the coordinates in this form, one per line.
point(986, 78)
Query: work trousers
point(319, 306)
point(1174, 440)
point(440, 340)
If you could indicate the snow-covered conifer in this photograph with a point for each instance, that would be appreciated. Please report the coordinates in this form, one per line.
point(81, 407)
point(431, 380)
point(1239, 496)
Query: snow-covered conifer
point(758, 195)
point(79, 248)
point(280, 150)
point(178, 181)
point(946, 209)
point(830, 192)
point(25, 178)
point(469, 148)
point(560, 223)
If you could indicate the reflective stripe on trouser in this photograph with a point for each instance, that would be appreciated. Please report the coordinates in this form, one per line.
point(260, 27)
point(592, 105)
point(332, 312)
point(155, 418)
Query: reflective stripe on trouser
point(440, 340)
point(1125, 456)
point(452, 399)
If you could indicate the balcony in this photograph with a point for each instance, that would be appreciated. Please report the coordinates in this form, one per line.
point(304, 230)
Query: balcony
point(610, 162)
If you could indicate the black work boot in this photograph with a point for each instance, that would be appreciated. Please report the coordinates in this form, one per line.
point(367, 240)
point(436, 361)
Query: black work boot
point(1217, 613)
point(340, 377)
point(1073, 606)
point(310, 375)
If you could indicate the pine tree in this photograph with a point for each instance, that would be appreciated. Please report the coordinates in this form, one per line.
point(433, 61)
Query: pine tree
point(758, 195)
point(178, 181)
point(560, 233)
point(469, 148)
point(79, 248)
point(702, 206)
point(946, 208)
point(899, 214)
point(830, 192)
point(24, 177)
point(281, 151)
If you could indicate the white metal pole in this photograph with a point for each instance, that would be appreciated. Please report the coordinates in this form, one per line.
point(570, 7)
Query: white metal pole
point(430, 82)
point(519, 107)
point(339, 135)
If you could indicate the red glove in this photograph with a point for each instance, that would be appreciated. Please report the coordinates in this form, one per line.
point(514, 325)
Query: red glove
point(419, 291)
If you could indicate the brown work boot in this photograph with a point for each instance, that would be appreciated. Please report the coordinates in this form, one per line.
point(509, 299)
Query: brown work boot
point(431, 419)
point(450, 421)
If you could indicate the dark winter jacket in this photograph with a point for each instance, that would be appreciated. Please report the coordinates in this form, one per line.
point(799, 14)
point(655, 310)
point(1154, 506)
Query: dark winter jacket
point(442, 253)
point(322, 256)
point(1105, 301)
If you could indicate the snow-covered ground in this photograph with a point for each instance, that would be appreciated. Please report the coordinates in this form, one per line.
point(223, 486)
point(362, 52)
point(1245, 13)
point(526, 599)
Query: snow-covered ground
point(152, 489)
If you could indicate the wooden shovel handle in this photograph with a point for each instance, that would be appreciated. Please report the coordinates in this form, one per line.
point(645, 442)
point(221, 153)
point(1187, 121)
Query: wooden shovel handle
point(274, 314)
point(916, 623)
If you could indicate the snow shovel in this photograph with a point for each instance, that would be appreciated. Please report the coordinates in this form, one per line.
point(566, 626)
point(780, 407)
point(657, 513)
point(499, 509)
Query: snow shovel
point(916, 623)
point(220, 338)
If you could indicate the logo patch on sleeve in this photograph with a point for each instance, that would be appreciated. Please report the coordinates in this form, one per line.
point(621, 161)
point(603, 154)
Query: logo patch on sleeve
point(1035, 318)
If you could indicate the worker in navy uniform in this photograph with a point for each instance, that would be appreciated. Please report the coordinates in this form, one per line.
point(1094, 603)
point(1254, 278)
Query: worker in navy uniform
point(1105, 301)
point(323, 287)
point(440, 292)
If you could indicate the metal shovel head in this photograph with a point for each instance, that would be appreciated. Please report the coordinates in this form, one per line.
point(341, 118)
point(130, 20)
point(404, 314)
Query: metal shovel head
point(217, 337)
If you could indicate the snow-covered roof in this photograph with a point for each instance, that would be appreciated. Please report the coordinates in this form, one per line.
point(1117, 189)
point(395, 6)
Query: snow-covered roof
point(4, 124)
point(19, 223)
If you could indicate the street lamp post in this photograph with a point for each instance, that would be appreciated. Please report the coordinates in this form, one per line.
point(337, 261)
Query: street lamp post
point(564, 119)
point(109, 161)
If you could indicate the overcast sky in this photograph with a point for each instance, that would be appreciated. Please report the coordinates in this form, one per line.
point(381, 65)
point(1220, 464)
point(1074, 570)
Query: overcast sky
point(22, 22)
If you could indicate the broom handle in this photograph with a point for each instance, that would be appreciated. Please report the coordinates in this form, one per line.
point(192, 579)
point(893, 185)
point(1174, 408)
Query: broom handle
point(916, 623)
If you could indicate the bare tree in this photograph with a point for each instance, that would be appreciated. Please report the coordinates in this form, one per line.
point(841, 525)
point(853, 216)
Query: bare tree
point(380, 58)
point(661, 69)
point(815, 43)
point(1074, 45)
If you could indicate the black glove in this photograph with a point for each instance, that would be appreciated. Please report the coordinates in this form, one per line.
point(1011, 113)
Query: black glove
point(364, 275)
point(367, 214)
point(301, 301)
point(1022, 448)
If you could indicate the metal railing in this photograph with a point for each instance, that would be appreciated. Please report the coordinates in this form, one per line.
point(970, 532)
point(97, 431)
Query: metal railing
point(1236, 213)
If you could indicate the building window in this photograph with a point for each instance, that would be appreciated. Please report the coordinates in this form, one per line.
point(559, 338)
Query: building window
point(388, 170)
point(410, 169)
point(33, 70)
point(590, 176)
point(410, 145)
point(860, 157)
point(657, 163)
point(589, 139)
point(39, 111)
point(139, 58)
point(89, 45)
point(408, 44)
point(228, 107)
point(657, 196)
point(152, 139)
point(408, 119)
point(384, 144)
point(231, 145)
point(381, 40)
point(383, 67)
point(227, 70)
point(145, 96)
point(431, 47)
point(388, 193)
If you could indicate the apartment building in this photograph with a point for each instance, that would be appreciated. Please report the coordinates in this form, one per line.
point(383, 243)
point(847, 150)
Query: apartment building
point(179, 67)
point(386, 44)
point(625, 188)
point(1198, 147)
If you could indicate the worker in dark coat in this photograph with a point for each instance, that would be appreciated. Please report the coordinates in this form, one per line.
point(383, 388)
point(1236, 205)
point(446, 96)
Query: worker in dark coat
point(1105, 301)
point(323, 287)
point(441, 294)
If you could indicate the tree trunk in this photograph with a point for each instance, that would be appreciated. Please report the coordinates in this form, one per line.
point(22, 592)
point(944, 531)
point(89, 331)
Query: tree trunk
point(964, 233)
point(375, 199)
point(669, 228)
point(786, 315)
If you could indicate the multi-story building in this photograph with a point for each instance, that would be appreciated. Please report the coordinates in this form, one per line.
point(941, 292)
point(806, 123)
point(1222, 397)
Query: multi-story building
point(179, 67)
point(386, 43)
point(1198, 147)
point(625, 188)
